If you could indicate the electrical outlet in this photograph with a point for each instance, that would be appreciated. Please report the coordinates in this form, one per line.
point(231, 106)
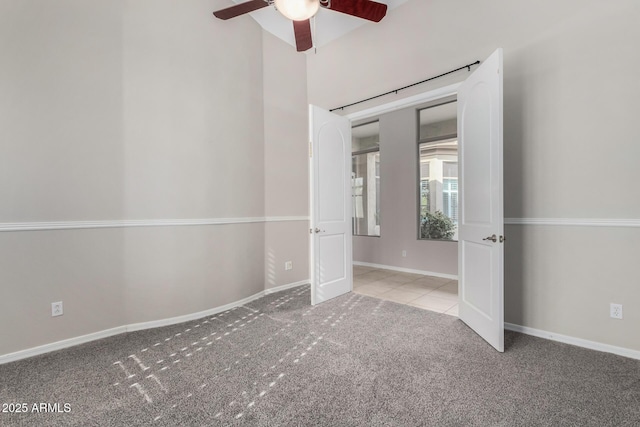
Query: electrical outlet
point(288, 265)
point(404, 253)
point(616, 311)
point(56, 309)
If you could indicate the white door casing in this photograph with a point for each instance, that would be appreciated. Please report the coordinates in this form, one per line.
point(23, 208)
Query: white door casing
point(330, 174)
point(481, 216)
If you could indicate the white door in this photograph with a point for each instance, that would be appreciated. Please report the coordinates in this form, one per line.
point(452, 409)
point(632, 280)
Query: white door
point(331, 258)
point(480, 247)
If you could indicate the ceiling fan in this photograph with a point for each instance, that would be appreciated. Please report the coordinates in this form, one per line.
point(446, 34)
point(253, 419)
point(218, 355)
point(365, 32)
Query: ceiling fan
point(301, 11)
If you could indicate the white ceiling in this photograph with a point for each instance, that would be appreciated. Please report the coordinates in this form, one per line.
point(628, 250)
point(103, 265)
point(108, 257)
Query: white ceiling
point(326, 26)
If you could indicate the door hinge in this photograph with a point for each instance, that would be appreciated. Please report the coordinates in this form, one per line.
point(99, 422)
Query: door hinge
point(310, 149)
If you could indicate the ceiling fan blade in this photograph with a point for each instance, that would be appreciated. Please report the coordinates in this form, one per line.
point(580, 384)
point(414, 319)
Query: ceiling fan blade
point(365, 9)
point(240, 9)
point(302, 30)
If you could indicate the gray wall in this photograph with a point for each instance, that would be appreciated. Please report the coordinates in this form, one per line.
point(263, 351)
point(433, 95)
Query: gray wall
point(140, 111)
point(399, 205)
point(570, 82)
point(286, 180)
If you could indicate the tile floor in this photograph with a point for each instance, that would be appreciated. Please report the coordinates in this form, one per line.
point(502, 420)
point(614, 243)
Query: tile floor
point(426, 292)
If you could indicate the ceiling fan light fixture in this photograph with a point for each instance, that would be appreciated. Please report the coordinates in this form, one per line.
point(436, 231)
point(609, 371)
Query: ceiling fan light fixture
point(297, 10)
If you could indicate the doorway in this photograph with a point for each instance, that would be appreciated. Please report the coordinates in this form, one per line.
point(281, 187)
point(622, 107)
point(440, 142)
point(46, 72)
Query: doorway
point(407, 192)
point(481, 215)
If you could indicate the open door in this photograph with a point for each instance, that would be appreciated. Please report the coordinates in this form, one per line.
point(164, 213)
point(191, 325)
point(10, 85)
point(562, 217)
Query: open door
point(331, 258)
point(481, 216)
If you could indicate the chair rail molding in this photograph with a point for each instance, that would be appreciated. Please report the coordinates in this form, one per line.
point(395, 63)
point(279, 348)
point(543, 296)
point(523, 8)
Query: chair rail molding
point(575, 222)
point(75, 225)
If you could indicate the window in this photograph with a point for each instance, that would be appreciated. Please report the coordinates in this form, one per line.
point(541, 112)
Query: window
point(438, 166)
point(365, 179)
point(424, 188)
point(450, 190)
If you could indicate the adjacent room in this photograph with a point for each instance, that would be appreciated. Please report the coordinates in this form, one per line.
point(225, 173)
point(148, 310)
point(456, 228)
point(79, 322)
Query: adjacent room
point(156, 215)
point(418, 159)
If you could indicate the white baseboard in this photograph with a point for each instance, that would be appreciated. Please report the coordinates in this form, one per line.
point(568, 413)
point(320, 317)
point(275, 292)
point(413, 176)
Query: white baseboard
point(192, 316)
point(407, 270)
point(59, 345)
point(285, 287)
point(592, 345)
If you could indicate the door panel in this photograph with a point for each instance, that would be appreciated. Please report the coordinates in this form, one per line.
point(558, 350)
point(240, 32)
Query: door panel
point(331, 184)
point(478, 176)
point(331, 265)
point(331, 251)
point(475, 273)
point(481, 222)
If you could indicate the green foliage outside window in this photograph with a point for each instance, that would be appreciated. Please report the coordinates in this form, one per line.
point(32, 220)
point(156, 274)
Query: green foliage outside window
point(436, 226)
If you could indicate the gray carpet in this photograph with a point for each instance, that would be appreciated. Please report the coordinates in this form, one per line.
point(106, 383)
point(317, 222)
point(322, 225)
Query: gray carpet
point(353, 361)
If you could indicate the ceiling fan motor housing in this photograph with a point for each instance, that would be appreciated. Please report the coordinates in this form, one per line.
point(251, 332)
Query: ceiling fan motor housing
point(301, 11)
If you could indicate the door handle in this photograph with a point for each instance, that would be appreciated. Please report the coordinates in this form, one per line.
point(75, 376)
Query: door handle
point(494, 238)
point(317, 230)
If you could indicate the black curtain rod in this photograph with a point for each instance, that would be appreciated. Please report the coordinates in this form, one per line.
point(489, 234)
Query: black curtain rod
point(468, 66)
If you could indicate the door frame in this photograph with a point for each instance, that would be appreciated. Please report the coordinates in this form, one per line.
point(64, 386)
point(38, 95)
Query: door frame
point(433, 95)
point(421, 98)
